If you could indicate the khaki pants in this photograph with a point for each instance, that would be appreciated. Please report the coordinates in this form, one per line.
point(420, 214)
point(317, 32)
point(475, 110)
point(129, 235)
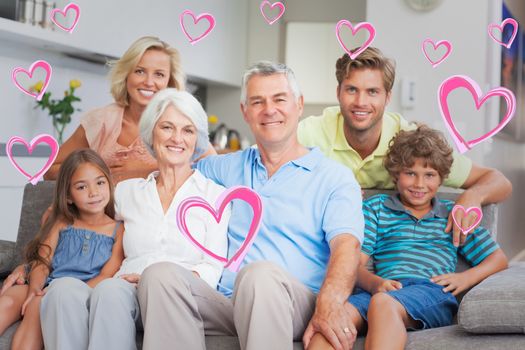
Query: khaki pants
point(269, 309)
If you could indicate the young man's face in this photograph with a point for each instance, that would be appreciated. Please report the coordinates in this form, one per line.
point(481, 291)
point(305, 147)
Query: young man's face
point(362, 97)
point(417, 185)
point(271, 110)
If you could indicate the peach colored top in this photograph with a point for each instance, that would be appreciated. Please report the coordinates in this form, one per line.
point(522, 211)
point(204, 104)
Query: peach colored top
point(103, 127)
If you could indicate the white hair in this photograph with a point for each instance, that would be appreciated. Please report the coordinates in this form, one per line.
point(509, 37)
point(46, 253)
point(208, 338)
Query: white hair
point(185, 103)
point(266, 68)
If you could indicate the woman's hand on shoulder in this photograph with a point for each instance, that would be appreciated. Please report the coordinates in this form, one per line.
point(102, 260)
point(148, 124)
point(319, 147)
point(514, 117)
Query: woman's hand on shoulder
point(76, 141)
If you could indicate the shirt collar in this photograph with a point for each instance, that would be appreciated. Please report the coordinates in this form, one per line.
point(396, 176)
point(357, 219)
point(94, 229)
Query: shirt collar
point(308, 161)
point(439, 209)
point(388, 131)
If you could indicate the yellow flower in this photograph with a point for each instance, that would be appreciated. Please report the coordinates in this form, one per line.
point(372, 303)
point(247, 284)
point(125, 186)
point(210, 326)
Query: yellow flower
point(37, 87)
point(213, 119)
point(74, 83)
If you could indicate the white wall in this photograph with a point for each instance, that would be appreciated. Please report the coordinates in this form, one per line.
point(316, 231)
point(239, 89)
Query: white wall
point(400, 32)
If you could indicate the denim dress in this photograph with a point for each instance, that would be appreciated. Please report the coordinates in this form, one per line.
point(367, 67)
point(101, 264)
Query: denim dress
point(81, 253)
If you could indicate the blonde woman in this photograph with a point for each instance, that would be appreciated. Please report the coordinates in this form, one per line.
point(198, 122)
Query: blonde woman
point(149, 65)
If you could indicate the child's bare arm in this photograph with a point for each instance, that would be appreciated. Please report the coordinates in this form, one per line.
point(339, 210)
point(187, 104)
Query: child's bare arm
point(371, 282)
point(459, 282)
point(114, 262)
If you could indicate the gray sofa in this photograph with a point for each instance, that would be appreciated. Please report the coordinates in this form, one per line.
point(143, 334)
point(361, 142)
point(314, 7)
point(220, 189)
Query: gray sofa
point(491, 315)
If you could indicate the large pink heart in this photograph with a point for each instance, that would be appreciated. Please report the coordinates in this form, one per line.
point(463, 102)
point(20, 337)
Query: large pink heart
point(461, 81)
point(50, 140)
point(510, 21)
point(476, 210)
point(444, 43)
point(37, 64)
point(363, 25)
point(206, 16)
point(239, 192)
point(71, 6)
point(281, 7)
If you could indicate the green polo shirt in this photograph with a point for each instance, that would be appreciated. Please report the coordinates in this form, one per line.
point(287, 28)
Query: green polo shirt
point(326, 132)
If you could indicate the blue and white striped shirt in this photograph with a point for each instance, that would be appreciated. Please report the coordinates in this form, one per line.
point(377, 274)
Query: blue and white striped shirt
point(403, 246)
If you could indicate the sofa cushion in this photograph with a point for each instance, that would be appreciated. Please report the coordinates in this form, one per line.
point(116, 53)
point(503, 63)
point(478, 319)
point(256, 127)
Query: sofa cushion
point(496, 305)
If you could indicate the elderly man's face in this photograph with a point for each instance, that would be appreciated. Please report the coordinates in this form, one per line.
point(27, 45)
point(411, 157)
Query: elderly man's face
point(271, 109)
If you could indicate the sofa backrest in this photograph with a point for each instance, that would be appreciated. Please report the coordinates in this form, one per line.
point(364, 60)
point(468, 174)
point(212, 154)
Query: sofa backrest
point(37, 198)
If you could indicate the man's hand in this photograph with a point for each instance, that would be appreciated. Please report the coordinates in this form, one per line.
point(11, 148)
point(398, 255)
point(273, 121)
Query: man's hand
point(453, 282)
point(385, 286)
point(18, 276)
point(467, 199)
point(331, 320)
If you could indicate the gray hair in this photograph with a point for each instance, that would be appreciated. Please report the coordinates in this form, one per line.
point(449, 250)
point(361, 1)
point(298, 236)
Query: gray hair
point(266, 68)
point(185, 103)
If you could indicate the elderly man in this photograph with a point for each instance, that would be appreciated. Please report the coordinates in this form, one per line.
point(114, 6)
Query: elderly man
point(358, 131)
point(302, 266)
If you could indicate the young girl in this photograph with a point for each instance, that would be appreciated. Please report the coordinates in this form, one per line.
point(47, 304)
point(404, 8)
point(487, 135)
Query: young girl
point(80, 239)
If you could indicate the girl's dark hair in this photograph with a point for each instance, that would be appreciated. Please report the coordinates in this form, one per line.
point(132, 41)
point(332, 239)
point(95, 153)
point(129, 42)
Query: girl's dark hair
point(36, 251)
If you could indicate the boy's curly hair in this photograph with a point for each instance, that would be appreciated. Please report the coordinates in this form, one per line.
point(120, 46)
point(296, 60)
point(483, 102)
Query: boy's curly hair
point(423, 142)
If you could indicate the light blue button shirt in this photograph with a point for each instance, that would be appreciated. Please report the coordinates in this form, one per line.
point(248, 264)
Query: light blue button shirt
point(306, 203)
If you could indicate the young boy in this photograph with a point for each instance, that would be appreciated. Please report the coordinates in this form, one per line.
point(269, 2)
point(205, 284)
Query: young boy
point(414, 259)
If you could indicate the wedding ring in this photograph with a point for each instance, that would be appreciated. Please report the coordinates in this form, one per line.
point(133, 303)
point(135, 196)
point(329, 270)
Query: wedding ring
point(346, 330)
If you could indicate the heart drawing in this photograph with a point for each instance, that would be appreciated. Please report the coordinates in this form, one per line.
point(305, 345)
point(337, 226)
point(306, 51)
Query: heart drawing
point(476, 210)
point(208, 17)
point(63, 13)
point(37, 64)
point(507, 21)
point(461, 81)
point(444, 43)
point(266, 3)
point(363, 25)
point(238, 192)
point(42, 138)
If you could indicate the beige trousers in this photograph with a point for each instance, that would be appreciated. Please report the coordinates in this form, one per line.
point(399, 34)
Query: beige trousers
point(269, 308)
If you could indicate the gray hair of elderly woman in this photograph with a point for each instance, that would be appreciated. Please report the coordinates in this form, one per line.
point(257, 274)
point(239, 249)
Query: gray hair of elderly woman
point(185, 103)
point(266, 68)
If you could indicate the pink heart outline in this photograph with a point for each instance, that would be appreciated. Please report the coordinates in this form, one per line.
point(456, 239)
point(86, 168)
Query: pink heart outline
point(50, 140)
point(476, 210)
point(445, 43)
point(37, 64)
point(499, 27)
point(462, 81)
point(275, 4)
point(207, 16)
point(238, 192)
point(70, 6)
point(362, 25)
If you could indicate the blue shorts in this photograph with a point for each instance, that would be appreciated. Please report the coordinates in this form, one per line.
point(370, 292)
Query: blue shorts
point(423, 300)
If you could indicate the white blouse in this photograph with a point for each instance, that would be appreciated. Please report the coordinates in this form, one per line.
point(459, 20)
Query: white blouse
point(152, 236)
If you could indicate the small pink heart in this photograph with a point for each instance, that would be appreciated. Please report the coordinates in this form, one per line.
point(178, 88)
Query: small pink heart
point(206, 16)
point(510, 21)
point(476, 210)
point(461, 81)
point(363, 25)
point(38, 64)
point(50, 140)
point(444, 43)
point(71, 6)
point(238, 192)
point(266, 3)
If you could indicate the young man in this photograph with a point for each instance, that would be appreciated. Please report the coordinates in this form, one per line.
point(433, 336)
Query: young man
point(357, 132)
point(414, 285)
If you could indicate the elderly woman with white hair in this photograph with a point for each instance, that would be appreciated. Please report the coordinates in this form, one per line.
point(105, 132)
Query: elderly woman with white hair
point(174, 129)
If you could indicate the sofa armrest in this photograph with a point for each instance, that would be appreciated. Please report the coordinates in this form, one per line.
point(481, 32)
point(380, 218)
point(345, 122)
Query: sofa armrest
point(496, 304)
point(7, 252)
